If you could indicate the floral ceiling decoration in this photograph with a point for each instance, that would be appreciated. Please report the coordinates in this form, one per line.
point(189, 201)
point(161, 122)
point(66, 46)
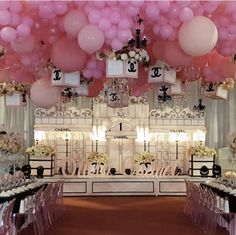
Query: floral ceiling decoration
point(197, 38)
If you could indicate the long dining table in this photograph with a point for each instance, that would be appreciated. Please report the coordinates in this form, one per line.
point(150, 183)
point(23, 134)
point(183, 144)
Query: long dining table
point(229, 219)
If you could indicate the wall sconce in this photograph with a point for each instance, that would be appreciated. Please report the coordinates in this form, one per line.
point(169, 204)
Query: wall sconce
point(199, 136)
point(98, 134)
point(177, 136)
point(143, 135)
point(38, 136)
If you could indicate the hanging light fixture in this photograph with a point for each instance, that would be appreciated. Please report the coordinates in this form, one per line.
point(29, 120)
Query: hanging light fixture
point(137, 41)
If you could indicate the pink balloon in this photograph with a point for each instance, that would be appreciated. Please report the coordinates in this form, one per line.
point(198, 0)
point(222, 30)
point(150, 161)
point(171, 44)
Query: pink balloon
point(23, 45)
point(92, 64)
point(175, 56)
point(26, 61)
point(15, 6)
point(15, 19)
point(210, 6)
point(43, 94)
point(174, 12)
point(74, 21)
point(111, 33)
point(5, 17)
point(131, 10)
point(166, 31)
point(156, 29)
point(104, 24)
point(87, 73)
point(46, 8)
point(115, 17)
point(67, 55)
point(4, 5)
point(94, 16)
point(23, 30)
point(186, 14)
point(124, 24)
point(91, 38)
point(60, 8)
point(164, 6)
point(8, 34)
point(116, 44)
point(152, 11)
point(28, 21)
point(124, 35)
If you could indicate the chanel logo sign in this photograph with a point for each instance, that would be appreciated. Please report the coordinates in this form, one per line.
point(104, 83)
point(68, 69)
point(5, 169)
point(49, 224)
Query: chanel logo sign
point(57, 74)
point(156, 72)
point(132, 68)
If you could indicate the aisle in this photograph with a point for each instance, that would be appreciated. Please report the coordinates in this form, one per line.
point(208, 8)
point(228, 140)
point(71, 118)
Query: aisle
point(124, 216)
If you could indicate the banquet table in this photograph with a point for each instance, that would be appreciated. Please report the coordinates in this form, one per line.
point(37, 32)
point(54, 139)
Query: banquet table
point(223, 194)
point(21, 195)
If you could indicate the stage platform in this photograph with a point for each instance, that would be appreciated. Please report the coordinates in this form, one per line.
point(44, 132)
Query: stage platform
point(124, 185)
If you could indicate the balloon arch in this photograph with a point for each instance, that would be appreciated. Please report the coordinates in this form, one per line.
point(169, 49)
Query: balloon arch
point(188, 35)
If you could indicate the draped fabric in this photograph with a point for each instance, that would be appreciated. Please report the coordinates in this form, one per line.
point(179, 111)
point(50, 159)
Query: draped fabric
point(220, 119)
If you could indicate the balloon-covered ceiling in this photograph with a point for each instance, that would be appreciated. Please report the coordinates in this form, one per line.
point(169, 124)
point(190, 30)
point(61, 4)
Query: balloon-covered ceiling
point(197, 37)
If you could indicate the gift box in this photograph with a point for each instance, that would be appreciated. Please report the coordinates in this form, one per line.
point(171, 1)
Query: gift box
point(47, 162)
point(72, 79)
point(160, 74)
point(82, 90)
point(14, 100)
point(115, 68)
point(60, 78)
point(196, 163)
point(215, 91)
point(131, 69)
point(57, 78)
point(121, 69)
point(113, 98)
point(177, 88)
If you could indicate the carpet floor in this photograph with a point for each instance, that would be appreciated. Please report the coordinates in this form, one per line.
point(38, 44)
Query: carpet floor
point(124, 216)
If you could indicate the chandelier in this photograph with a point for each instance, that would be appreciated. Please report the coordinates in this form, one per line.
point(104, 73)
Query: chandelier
point(137, 41)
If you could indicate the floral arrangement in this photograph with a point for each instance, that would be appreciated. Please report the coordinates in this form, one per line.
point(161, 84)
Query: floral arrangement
point(127, 54)
point(96, 157)
point(144, 157)
point(9, 143)
point(230, 174)
point(9, 88)
point(228, 84)
point(202, 151)
point(40, 150)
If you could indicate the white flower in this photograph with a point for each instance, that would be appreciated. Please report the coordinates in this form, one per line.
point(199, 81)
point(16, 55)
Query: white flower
point(143, 53)
point(124, 57)
point(95, 157)
point(137, 56)
point(40, 150)
point(147, 58)
point(132, 54)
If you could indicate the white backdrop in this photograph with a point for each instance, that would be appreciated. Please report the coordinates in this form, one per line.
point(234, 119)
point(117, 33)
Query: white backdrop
point(220, 120)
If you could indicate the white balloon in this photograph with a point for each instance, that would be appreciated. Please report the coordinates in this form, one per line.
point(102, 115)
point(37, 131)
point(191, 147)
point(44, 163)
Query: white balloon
point(198, 36)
